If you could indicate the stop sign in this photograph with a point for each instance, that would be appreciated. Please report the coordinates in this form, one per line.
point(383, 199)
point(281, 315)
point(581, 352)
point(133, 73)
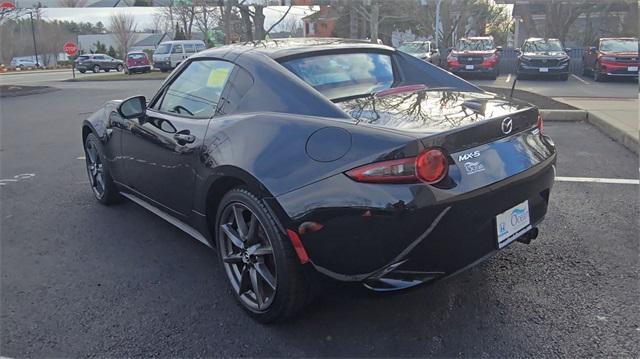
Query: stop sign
point(7, 6)
point(70, 48)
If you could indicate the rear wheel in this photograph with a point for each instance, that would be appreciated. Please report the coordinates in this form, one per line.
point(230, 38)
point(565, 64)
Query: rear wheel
point(100, 179)
point(260, 264)
point(82, 71)
point(119, 68)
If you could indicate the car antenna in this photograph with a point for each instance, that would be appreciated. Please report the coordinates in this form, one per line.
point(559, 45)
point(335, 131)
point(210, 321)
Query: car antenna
point(513, 86)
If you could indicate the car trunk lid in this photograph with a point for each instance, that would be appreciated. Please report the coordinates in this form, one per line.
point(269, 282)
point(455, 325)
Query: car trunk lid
point(489, 138)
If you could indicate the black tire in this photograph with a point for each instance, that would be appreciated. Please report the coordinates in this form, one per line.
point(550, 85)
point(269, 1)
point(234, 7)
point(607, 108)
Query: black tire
point(164, 70)
point(597, 75)
point(564, 77)
point(96, 69)
point(107, 70)
point(102, 186)
point(82, 71)
point(494, 75)
point(289, 291)
point(119, 68)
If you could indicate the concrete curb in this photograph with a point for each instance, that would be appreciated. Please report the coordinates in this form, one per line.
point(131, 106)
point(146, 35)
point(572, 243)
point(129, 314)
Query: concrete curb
point(615, 133)
point(605, 127)
point(564, 115)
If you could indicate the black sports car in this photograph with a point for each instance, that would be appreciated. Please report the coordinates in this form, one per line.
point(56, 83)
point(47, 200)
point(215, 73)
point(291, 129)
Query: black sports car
point(344, 158)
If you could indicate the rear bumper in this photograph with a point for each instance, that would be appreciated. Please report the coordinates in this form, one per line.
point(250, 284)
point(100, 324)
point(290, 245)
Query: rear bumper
point(139, 68)
point(411, 232)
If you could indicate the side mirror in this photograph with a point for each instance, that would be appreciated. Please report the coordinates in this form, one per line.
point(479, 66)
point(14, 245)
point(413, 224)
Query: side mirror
point(498, 48)
point(449, 49)
point(518, 50)
point(592, 49)
point(133, 107)
point(434, 51)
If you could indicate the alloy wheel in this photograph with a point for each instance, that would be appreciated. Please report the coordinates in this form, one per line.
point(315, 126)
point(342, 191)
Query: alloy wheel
point(95, 169)
point(247, 256)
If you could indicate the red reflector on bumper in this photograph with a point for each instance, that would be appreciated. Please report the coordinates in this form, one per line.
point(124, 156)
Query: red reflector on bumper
point(297, 246)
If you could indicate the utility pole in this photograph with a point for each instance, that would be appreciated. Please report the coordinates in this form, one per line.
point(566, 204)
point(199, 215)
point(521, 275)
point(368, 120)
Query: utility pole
point(438, 24)
point(33, 35)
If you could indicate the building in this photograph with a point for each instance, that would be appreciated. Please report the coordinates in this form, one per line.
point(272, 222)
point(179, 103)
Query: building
point(321, 23)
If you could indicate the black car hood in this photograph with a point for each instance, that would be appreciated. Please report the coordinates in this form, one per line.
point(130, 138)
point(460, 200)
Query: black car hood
point(429, 111)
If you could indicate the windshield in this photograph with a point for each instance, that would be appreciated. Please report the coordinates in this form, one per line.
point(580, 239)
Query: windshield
point(163, 49)
point(344, 75)
point(542, 46)
point(475, 45)
point(619, 45)
point(414, 47)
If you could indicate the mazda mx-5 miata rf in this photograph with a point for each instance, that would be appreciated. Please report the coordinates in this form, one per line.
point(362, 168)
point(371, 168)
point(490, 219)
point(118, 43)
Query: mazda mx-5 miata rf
point(344, 158)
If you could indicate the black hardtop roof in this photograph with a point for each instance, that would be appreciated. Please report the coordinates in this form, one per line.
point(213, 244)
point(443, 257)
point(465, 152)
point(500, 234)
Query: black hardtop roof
point(279, 48)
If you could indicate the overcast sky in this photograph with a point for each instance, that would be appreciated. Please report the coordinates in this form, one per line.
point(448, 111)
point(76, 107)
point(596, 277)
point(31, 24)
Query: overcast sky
point(144, 15)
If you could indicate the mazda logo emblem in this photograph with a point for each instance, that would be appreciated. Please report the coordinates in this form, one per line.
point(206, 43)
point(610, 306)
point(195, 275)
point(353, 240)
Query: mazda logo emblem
point(507, 125)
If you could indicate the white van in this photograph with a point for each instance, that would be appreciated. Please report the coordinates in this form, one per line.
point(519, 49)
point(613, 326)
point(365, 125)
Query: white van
point(171, 53)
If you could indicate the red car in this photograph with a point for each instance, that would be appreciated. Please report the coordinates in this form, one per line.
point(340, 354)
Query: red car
point(614, 57)
point(475, 55)
point(137, 61)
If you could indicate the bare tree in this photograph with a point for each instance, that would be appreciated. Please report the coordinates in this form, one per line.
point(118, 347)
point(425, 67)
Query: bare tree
point(123, 27)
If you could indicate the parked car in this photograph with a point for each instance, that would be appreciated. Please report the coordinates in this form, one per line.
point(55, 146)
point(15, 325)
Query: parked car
point(303, 157)
point(23, 63)
point(170, 54)
point(97, 63)
point(540, 57)
point(423, 50)
point(137, 61)
point(615, 57)
point(475, 55)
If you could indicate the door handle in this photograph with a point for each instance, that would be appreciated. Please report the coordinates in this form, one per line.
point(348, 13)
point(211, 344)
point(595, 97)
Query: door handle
point(184, 137)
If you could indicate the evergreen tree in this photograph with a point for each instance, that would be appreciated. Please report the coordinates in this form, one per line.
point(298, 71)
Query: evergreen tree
point(100, 48)
point(112, 52)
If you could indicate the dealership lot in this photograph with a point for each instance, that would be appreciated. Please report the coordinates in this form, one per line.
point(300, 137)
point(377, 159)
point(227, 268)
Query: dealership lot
point(80, 279)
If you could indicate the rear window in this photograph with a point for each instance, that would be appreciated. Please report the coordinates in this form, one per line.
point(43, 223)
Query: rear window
point(344, 75)
point(136, 56)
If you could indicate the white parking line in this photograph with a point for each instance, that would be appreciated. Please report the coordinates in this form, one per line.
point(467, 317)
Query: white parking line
point(81, 158)
point(580, 79)
point(508, 78)
point(598, 180)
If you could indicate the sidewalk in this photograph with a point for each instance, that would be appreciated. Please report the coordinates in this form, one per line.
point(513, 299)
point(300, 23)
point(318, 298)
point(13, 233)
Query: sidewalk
point(617, 117)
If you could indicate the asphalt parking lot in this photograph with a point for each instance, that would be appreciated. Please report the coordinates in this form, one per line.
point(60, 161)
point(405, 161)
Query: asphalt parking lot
point(81, 279)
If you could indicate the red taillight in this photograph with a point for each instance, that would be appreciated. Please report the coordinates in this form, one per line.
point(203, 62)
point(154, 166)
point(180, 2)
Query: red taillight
point(430, 167)
point(540, 125)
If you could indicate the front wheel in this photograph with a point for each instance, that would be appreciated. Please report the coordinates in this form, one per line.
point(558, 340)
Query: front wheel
point(96, 69)
point(100, 179)
point(82, 71)
point(597, 75)
point(260, 264)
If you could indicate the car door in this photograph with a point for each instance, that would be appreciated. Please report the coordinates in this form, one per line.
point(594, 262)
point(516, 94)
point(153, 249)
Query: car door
point(163, 148)
point(177, 55)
